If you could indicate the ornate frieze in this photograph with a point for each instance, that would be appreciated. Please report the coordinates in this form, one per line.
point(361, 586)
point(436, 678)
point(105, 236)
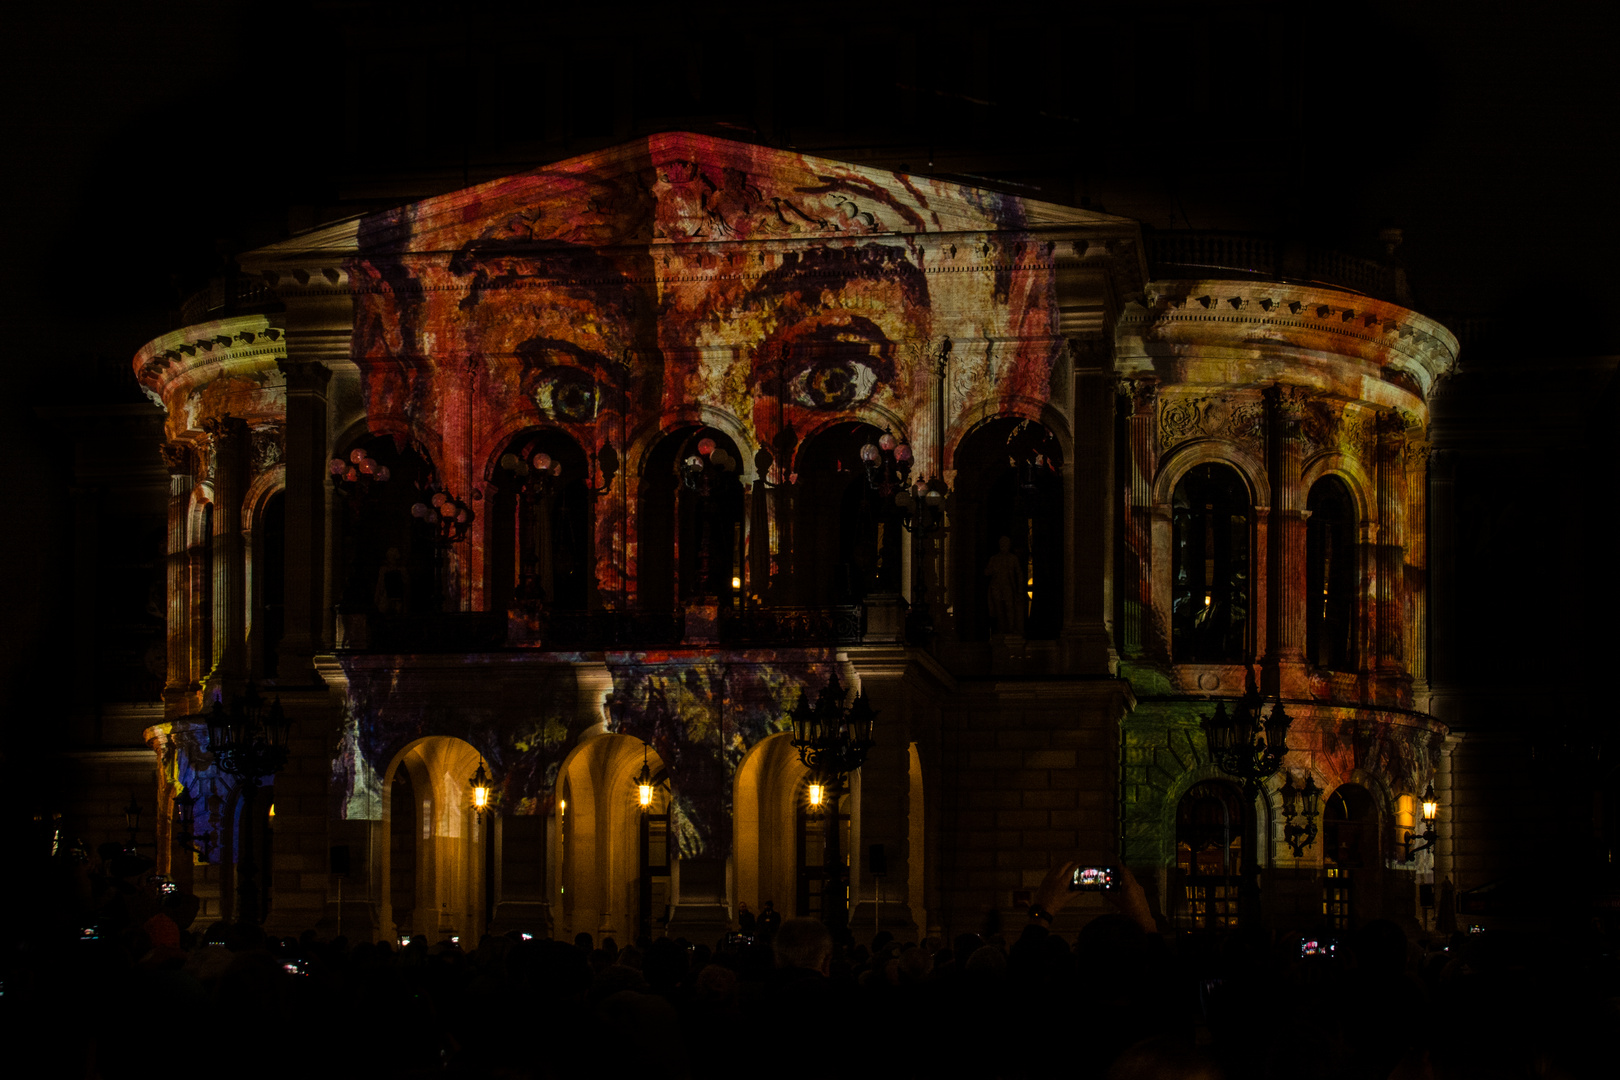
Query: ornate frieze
point(1183, 417)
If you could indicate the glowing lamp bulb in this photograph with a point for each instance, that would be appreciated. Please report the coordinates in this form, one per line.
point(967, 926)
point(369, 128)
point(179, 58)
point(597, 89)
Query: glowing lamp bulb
point(644, 795)
point(705, 447)
point(357, 455)
point(886, 441)
point(542, 462)
point(338, 467)
point(869, 452)
point(1207, 599)
point(1431, 804)
point(736, 582)
point(481, 798)
point(817, 792)
point(902, 452)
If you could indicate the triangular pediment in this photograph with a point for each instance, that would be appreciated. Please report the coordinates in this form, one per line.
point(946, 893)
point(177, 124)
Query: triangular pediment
point(681, 188)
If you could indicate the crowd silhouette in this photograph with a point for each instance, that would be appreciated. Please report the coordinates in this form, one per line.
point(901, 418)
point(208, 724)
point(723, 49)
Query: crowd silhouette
point(108, 985)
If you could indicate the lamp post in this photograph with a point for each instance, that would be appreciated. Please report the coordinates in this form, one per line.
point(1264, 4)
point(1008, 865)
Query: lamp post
point(1250, 751)
point(248, 740)
point(832, 740)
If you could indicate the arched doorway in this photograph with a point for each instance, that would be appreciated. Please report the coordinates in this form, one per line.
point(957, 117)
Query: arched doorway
point(1210, 518)
point(1009, 488)
point(616, 860)
point(430, 821)
point(1209, 857)
point(817, 876)
point(1349, 854)
point(765, 814)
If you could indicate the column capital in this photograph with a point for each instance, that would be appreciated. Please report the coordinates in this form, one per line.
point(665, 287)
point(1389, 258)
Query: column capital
point(304, 375)
point(179, 458)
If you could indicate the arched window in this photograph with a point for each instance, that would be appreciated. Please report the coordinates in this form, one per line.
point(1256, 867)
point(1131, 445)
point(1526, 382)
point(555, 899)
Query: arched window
point(1210, 574)
point(1209, 856)
point(1330, 576)
point(843, 557)
point(388, 558)
point(690, 521)
point(1009, 489)
point(541, 554)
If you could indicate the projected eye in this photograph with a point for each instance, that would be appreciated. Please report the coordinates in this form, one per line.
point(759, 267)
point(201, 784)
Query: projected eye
point(565, 393)
point(831, 382)
point(837, 365)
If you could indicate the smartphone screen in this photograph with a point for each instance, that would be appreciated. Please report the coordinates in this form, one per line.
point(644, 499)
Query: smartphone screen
point(1092, 879)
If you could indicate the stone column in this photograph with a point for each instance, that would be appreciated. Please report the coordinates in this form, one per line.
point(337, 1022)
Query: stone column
point(1416, 569)
point(305, 498)
point(182, 479)
point(229, 436)
point(1442, 579)
point(884, 792)
point(1390, 623)
point(1138, 636)
point(1286, 586)
point(1088, 488)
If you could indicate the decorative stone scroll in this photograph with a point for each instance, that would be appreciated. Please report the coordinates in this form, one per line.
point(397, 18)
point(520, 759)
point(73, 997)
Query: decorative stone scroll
point(1241, 419)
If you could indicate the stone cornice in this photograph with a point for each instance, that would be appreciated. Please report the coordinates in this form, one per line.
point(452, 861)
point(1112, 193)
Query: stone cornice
point(1114, 250)
point(1272, 319)
point(170, 366)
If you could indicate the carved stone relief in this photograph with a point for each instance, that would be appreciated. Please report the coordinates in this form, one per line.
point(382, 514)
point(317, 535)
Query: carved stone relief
point(1240, 419)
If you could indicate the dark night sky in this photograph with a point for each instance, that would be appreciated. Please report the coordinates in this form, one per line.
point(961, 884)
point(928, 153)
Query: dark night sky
point(144, 139)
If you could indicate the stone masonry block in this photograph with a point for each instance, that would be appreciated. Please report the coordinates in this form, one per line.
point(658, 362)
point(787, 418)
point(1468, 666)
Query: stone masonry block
point(1049, 800)
point(995, 759)
point(1049, 759)
point(1020, 779)
point(1022, 819)
point(1014, 739)
point(994, 800)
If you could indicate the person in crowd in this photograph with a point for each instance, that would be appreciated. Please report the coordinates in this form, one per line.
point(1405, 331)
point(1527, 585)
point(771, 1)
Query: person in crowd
point(769, 920)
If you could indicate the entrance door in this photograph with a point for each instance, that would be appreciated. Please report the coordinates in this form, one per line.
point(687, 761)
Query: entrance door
point(815, 876)
point(1209, 853)
point(653, 905)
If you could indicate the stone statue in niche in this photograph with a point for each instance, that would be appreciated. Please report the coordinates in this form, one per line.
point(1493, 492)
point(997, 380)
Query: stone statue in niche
point(1008, 602)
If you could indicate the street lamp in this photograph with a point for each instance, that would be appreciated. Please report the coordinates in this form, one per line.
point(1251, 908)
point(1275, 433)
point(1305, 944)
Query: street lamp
point(1300, 837)
point(1413, 842)
point(248, 740)
point(480, 788)
point(832, 740)
point(1250, 750)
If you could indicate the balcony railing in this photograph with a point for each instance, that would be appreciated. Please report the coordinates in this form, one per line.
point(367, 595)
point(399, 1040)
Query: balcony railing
point(1213, 254)
point(225, 297)
point(794, 626)
point(596, 631)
